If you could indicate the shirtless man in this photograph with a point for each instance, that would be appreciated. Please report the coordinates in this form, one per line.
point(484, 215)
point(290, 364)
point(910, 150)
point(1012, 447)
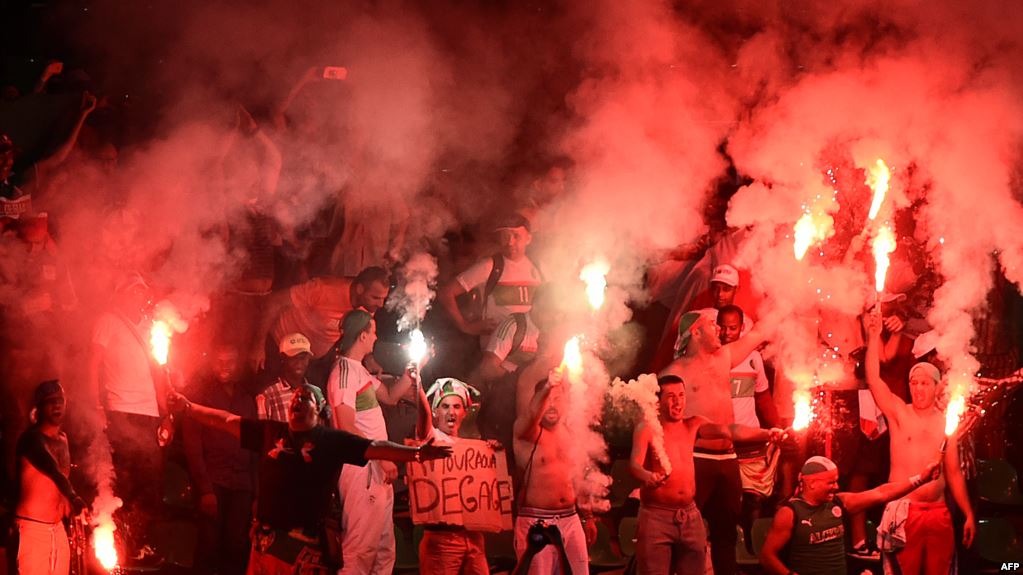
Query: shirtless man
point(671, 538)
point(45, 495)
point(547, 493)
point(917, 431)
point(705, 365)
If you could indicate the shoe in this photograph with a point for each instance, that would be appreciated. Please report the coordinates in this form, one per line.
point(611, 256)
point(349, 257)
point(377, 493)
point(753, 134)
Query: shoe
point(862, 551)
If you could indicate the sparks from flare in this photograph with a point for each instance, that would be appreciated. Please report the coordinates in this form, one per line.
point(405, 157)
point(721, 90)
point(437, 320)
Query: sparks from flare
point(594, 275)
point(878, 177)
point(883, 245)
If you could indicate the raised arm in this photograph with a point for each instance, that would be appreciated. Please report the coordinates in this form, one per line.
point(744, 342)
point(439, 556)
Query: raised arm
point(390, 451)
point(777, 539)
point(215, 418)
point(745, 345)
point(424, 416)
point(392, 394)
point(886, 400)
point(856, 502)
point(61, 153)
point(527, 425)
point(280, 111)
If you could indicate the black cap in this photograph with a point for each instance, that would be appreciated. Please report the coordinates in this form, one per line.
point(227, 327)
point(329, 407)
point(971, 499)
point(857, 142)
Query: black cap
point(511, 221)
point(47, 390)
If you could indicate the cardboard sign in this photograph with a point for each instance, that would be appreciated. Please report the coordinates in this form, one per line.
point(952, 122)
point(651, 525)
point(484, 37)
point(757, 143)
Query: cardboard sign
point(470, 488)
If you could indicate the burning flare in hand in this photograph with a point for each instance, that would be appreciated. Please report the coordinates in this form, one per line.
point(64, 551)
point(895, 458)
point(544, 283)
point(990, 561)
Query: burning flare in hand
point(159, 340)
point(810, 229)
point(803, 410)
point(884, 244)
point(878, 177)
point(953, 412)
point(417, 347)
point(103, 543)
point(572, 360)
point(594, 275)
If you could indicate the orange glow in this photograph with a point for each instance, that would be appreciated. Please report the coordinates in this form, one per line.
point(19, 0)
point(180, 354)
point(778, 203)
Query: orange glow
point(103, 543)
point(594, 275)
point(810, 229)
point(159, 340)
point(803, 410)
point(572, 361)
point(878, 177)
point(953, 412)
point(884, 244)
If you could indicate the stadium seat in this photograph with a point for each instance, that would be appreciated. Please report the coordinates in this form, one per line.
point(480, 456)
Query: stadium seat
point(406, 548)
point(623, 483)
point(742, 556)
point(500, 551)
point(998, 483)
point(998, 541)
point(627, 535)
point(603, 557)
point(759, 533)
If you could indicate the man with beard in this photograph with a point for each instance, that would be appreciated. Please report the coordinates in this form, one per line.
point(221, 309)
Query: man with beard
point(448, 548)
point(547, 496)
point(671, 538)
point(811, 525)
point(299, 465)
point(45, 495)
point(916, 530)
point(705, 365)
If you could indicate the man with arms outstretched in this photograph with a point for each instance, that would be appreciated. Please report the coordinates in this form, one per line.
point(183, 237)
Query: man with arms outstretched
point(299, 465)
point(705, 365)
point(810, 525)
point(916, 532)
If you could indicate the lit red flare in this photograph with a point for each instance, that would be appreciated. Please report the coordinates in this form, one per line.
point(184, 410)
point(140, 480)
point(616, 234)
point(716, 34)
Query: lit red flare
point(417, 347)
point(159, 340)
point(878, 177)
point(803, 410)
point(883, 245)
point(594, 275)
point(103, 544)
point(953, 412)
point(572, 360)
point(810, 229)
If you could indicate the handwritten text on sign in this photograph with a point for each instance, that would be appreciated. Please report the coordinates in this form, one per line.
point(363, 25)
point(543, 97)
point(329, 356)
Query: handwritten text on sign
point(470, 488)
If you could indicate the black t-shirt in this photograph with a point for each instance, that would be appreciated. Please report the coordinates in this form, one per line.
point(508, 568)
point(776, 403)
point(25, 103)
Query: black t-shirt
point(817, 545)
point(298, 471)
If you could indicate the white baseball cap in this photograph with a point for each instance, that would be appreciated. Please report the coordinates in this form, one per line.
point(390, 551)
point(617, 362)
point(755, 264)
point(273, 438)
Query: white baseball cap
point(726, 274)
